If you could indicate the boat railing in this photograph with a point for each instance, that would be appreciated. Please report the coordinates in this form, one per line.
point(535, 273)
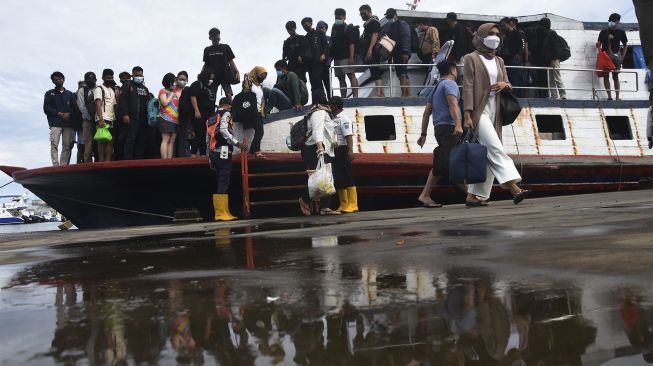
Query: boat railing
point(429, 81)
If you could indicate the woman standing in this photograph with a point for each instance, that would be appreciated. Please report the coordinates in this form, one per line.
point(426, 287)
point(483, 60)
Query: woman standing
point(168, 115)
point(321, 142)
point(254, 81)
point(485, 78)
point(185, 115)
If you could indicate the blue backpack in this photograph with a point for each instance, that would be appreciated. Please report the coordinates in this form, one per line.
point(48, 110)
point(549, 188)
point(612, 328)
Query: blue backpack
point(152, 111)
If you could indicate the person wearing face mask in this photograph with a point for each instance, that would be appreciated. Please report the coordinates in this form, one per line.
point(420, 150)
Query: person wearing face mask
point(105, 111)
point(168, 118)
point(289, 91)
point(86, 105)
point(615, 42)
point(134, 97)
point(399, 31)
point(486, 77)
point(203, 94)
point(323, 27)
point(552, 60)
point(429, 41)
point(369, 38)
point(219, 57)
point(293, 49)
point(254, 82)
point(344, 38)
point(316, 53)
point(185, 115)
point(58, 106)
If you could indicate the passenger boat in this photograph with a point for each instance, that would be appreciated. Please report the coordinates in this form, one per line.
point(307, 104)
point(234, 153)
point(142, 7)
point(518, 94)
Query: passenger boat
point(582, 144)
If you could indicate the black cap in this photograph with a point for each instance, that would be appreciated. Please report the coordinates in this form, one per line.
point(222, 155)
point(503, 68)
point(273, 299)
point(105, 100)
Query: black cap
point(213, 32)
point(337, 101)
point(391, 12)
point(224, 100)
point(452, 16)
point(340, 11)
point(614, 17)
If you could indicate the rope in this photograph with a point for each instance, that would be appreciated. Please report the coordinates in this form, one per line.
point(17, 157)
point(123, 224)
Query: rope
point(104, 206)
point(4, 185)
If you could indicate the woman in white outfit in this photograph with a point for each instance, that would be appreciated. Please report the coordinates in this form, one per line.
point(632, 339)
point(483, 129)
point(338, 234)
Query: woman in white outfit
point(485, 78)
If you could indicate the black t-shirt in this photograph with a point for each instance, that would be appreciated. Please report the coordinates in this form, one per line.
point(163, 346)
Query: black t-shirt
point(205, 97)
point(615, 37)
point(341, 37)
point(292, 49)
point(215, 57)
point(372, 26)
point(513, 44)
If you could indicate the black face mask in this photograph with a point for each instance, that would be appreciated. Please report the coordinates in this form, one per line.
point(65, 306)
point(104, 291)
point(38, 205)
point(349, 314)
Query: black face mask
point(365, 17)
point(90, 84)
point(110, 83)
point(58, 84)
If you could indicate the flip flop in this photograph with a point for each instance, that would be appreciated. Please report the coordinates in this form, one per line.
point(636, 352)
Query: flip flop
point(430, 204)
point(521, 195)
point(476, 203)
point(305, 208)
point(329, 212)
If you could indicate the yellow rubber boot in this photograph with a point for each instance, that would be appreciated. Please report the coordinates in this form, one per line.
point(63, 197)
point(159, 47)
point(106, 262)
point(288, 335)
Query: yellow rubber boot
point(352, 199)
point(344, 203)
point(221, 208)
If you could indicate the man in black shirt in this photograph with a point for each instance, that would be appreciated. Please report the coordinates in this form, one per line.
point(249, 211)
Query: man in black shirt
point(316, 53)
point(219, 57)
point(134, 97)
point(203, 93)
point(615, 43)
point(457, 33)
point(512, 53)
point(293, 47)
point(369, 39)
point(58, 106)
point(344, 38)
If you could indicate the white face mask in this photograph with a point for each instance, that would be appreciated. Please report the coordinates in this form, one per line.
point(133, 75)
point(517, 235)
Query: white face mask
point(181, 83)
point(209, 82)
point(492, 42)
point(612, 24)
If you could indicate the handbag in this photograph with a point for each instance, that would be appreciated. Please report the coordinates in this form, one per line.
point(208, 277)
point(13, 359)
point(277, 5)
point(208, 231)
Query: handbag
point(510, 108)
point(468, 161)
point(320, 181)
point(102, 134)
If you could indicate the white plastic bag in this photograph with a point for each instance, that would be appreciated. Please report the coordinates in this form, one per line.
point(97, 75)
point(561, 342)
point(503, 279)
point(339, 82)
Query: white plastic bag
point(320, 182)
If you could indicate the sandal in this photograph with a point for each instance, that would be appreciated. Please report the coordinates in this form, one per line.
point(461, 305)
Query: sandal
point(479, 203)
point(260, 155)
point(304, 207)
point(328, 211)
point(521, 195)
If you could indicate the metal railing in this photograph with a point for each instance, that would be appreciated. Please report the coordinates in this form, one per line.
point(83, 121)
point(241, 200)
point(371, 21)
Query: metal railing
point(549, 88)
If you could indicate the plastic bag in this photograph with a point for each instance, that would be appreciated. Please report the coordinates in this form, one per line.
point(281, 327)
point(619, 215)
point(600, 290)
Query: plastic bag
point(604, 64)
point(103, 134)
point(320, 182)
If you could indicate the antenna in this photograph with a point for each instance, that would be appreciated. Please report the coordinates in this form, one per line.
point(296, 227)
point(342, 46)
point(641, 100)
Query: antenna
point(412, 5)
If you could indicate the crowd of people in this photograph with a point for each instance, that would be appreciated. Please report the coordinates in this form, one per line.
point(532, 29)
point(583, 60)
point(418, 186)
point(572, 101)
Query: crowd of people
point(175, 122)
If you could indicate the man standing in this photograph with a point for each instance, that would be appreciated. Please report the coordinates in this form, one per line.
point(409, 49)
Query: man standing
point(316, 53)
point(220, 58)
point(512, 52)
point(342, 172)
point(399, 31)
point(86, 105)
point(551, 49)
point(613, 41)
point(105, 111)
point(369, 38)
point(58, 106)
point(429, 42)
point(293, 48)
point(457, 33)
point(442, 105)
point(344, 38)
point(134, 97)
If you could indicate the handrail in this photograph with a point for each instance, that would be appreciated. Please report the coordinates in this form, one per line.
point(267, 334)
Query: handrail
point(593, 90)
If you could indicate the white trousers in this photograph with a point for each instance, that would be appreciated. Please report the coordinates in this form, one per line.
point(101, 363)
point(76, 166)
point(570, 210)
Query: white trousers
point(499, 164)
point(56, 135)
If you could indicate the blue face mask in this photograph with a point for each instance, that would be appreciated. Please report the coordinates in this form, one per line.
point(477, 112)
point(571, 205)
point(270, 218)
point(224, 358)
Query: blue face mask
point(339, 22)
point(279, 73)
point(139, 80)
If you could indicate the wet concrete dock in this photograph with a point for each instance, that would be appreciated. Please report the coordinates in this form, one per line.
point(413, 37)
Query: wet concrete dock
point(552, 281)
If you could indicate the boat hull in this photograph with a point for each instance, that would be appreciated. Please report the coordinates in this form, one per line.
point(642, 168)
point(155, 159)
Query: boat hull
point(148, 192)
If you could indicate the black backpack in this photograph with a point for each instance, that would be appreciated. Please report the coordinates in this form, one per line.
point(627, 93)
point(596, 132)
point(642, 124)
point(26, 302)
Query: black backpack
point(89, 101)
point(562, 48)
point(245, 109)
point(298, 134)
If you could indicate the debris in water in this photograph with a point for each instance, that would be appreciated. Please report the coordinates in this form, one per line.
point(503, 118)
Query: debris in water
point(148, 268)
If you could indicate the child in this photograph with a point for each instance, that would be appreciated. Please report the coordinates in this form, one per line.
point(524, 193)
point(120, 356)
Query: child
point(342, 175)
point(219, 129)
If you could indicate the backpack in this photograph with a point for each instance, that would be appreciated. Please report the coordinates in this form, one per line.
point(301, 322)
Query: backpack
point(298, 134)
point(213, 128)
point(353, 35)
point(414, 42)
point(152, 111)
point(245, 109)
point(89, 101)
point(562, 48)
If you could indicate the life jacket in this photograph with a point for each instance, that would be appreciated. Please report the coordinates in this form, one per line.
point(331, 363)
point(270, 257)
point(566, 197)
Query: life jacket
point(213, 135)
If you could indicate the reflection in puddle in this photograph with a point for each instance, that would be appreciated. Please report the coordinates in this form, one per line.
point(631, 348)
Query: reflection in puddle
point(302, 301)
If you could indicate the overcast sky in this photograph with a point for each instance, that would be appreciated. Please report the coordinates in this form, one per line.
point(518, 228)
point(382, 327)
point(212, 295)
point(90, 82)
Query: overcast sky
point(75, 36)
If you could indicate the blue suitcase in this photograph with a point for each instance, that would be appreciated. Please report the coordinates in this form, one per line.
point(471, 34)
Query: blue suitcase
point(468, 161)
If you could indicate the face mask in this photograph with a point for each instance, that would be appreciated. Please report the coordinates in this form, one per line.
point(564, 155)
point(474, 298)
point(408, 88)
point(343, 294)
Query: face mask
point(612, 24)
point(365, 17)
point(391, 20)
point(339, 22)
point(172, 86)
point(58, 84)
point(181, 83)
point(491, 42)
point(260, 80)
point(90, 84)
point(122, 81)
point(279, 73)
point(110, 83)
point(139, 80)
point(209, 82)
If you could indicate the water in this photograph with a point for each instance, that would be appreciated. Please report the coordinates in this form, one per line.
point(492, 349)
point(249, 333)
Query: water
point(366, 298)
point(29, 228)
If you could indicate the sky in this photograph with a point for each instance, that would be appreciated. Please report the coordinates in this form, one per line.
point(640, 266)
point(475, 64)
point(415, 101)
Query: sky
point(75, 36)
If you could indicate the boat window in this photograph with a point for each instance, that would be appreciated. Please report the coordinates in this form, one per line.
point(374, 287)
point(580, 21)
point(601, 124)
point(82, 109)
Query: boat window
point(550, 127)
point(619, 127)
point(380, 128)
